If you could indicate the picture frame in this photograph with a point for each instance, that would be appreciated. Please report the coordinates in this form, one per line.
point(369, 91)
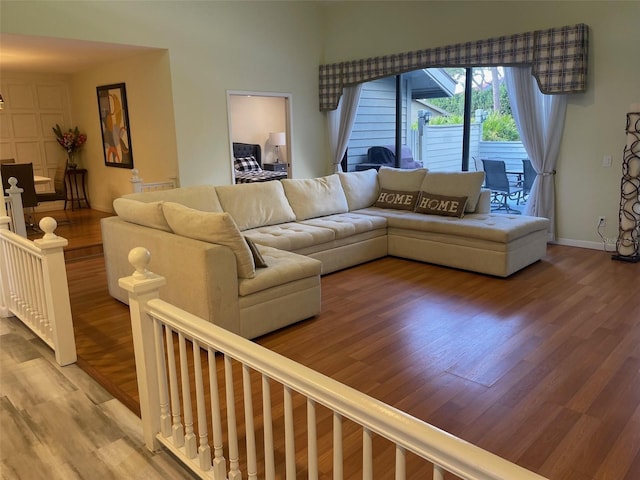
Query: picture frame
point(114, 124)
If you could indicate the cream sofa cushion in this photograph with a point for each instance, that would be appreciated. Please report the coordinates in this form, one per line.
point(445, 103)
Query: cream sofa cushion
point(315, 197)
point(455, 184)
point(200, 197)
point(256, 204)
point(360, 188)
point(146, 214)
point(400, 179)
point(211, 227)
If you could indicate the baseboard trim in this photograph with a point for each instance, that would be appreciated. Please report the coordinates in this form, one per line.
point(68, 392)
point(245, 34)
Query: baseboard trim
point(585, 244)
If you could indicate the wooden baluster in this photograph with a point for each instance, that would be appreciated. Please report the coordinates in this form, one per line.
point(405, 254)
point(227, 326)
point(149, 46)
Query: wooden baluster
point(269, 461)
point(234, 465)
point(204, 451)
point(401, 463)
point(367, 455)
point(289, 435)
point(190, 445)
point(163, 388)
point(252, 463)
point(312, 440)
point(176, 420)
point(219, 462)
point(337, 447)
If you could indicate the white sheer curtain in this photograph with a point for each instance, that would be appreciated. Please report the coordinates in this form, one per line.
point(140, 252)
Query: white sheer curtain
point(341, 123)
point(540, 122)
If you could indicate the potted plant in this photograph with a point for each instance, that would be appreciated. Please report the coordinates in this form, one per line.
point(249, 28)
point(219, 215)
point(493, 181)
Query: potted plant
point(71, 141)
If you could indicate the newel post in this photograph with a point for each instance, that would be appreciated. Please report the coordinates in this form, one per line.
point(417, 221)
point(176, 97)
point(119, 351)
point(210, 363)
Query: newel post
point(56, 292)
point(4, 273)
point(136, 181)
point(17, 211)
point(143, 286)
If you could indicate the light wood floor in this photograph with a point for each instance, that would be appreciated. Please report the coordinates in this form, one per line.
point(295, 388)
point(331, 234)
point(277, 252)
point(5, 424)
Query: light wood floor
point(542, 368)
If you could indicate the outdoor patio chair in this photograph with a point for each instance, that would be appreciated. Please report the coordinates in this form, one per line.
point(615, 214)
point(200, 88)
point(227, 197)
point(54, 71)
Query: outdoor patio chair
point(529, 175)
point(495, 179)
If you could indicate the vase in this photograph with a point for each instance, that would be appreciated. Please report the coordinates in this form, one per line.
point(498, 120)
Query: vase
point(71, 162)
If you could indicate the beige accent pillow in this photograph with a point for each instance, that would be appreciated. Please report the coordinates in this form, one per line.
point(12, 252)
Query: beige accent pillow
point(455, 184)
point(315, 197)
point(397, 200)
point(256, 204)
point(401, 179)
point(360, 188)
point(200, 197)
point(441, 205)
point(141, 213)
point(258, 260)
point(211, 227)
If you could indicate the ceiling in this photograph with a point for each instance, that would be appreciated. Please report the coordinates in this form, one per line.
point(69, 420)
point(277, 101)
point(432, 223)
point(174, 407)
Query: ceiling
point(33, 54)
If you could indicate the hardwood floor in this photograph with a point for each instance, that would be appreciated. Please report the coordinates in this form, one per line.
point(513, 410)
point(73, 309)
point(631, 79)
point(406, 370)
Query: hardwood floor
point(542, 368)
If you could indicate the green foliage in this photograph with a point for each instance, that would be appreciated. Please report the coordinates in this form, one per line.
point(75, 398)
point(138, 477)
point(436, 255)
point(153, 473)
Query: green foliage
point(499, 128)
point(480, 99)
point(449, 120)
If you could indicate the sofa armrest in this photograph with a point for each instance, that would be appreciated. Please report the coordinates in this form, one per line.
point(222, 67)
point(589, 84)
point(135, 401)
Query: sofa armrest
point(484, 201)
point(201, 277)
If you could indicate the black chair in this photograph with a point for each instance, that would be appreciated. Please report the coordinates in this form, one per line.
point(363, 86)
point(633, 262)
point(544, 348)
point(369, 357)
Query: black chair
point(23, 173)
point(495, 179)
point(7, 160)
point(529, 175)
point(59, 185)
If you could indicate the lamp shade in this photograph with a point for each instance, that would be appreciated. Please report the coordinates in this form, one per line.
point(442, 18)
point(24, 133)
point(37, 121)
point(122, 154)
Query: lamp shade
point(278, 138)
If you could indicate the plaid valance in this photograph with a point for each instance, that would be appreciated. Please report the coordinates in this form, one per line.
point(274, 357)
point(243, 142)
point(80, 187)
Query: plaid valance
point(557, 56)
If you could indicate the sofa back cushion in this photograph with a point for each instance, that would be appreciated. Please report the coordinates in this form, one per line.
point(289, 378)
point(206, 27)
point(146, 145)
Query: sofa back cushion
point(147, 214)
point(315, 197)
point(455, 184)
point(211, 227)
point(401, 180)
point(200, 197)
point(360, 188)
point(256, 204)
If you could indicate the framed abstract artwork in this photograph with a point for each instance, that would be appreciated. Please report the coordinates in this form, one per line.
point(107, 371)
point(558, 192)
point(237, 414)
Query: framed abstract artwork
point(114, 122)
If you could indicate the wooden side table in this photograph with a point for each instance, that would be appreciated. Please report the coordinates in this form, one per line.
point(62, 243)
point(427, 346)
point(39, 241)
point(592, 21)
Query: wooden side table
point(76, 179)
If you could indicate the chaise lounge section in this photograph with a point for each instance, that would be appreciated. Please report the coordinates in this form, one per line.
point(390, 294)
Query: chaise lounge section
point(303, 228)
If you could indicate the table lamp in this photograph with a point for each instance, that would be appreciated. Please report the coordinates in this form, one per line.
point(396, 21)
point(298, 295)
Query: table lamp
point(277, 139)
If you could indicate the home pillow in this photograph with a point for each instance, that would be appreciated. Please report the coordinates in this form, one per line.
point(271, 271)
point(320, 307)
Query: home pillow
point(455, 184)
point(141, 213)
point(441, 205)
point(315, 197)
point(360, 188)
point(246, 164)
point(256, 204)
point(211, 227)
point(397, 200)
point(400, 179)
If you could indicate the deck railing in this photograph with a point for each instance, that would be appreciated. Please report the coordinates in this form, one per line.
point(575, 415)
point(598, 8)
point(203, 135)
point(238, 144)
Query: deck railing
point(33, 286)
point(190, 373)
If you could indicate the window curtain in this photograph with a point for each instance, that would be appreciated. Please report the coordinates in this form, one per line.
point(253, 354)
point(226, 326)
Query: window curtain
point(540, 122)
point(341, 122)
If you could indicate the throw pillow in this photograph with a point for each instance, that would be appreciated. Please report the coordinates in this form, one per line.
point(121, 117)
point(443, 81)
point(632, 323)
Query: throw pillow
point(396, 199)
point(455, 184)
point(401, 179)
point(147, 214)
point(211, 227)
point(441, 205)
point(257, 256)
point(246, 164)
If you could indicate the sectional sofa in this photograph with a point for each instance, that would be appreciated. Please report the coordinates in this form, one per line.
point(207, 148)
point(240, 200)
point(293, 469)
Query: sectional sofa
point(249, 257)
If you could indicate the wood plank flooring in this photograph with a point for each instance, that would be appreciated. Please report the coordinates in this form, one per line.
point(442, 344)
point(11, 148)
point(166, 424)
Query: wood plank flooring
point(542, 368)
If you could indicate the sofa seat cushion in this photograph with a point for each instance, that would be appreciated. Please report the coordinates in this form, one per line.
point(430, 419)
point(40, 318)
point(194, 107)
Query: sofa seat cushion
point(199, 197)
point(282, 268)
point(348, 224)
point(290, 236)
point(492, 227)
point(256, 204)
point(315, 197)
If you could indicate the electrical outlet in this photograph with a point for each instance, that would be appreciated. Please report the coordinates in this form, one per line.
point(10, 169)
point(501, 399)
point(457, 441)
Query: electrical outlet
point(602, 221)
point(606, 161)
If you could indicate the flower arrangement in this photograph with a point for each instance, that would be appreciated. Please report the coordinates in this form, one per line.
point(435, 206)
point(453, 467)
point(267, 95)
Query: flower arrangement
point(71, 140)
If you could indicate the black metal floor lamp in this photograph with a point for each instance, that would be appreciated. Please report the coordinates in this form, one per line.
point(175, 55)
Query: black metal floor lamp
point(628, 243)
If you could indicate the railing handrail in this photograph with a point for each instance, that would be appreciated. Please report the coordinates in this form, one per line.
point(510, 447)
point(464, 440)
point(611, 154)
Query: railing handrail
point(405, 431)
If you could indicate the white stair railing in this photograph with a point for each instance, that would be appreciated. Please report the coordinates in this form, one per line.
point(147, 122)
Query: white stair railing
point(33, 286)
point(12, 207)
point(138, 185)
point(190, 372)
